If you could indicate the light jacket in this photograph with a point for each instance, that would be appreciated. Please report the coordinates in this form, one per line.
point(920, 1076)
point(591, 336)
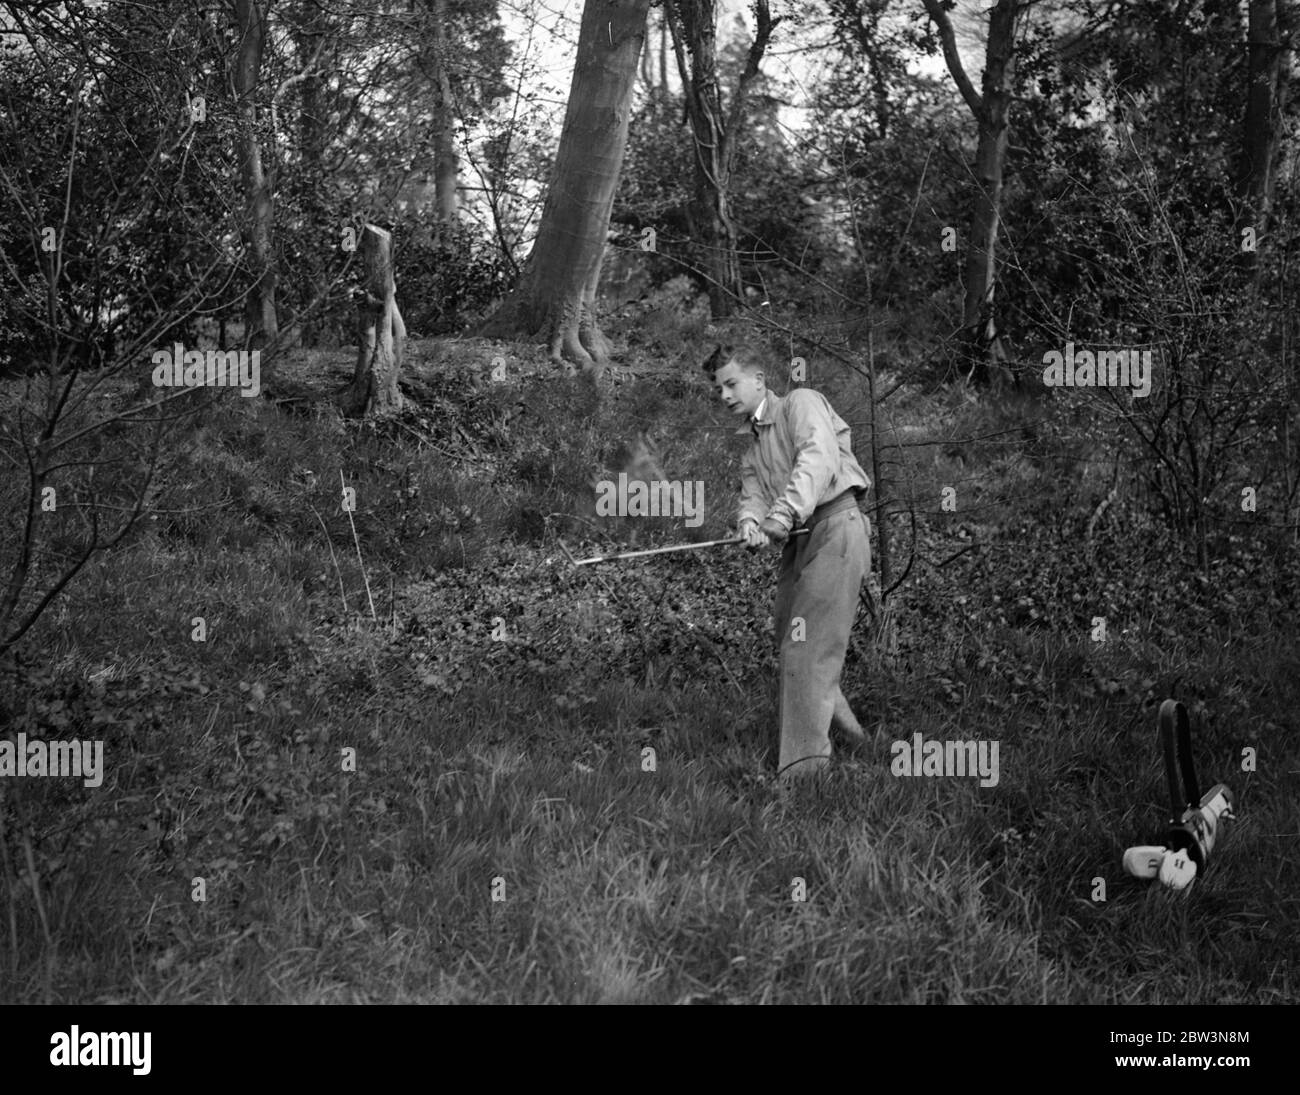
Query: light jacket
point(802, 456)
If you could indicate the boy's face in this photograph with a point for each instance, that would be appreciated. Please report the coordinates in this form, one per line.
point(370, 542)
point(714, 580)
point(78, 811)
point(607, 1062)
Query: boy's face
point(741, 392)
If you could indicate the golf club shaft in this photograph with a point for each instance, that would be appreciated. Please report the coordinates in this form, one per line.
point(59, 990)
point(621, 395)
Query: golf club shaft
point(672, 548)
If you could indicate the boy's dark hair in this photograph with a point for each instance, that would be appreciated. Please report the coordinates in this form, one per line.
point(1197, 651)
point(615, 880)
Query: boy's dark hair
point(750, 359)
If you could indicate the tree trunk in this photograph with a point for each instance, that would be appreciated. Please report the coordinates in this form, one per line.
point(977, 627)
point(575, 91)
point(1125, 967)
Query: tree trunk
point(648, 69)
point(663, 55)
point(444, 149)
point(712, 228)
point(381, 334)
point(556, 292)
point(715, 137)
point(312, 139)
point(1266, 83)
point(260, 324)
point(980, 333)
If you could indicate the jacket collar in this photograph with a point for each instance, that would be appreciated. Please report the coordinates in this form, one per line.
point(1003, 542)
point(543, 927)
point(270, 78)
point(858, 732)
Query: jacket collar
point(766, 413)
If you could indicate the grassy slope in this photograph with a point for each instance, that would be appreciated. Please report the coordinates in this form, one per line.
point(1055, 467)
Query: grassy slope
point(522, 759)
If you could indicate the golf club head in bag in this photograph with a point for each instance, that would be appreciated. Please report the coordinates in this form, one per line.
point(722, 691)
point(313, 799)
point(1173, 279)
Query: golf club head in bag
point(1198, 828)
point(1177, 869)
point(1173, 866)
point(1144, 860)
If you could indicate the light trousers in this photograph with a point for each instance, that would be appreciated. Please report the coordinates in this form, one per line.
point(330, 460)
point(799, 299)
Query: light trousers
point(816, 604)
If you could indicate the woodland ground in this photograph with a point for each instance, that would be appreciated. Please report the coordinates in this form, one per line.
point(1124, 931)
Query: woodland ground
point(519, 758)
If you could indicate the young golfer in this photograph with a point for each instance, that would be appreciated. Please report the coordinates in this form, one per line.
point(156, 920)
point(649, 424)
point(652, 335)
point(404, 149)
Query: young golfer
point(799, 471)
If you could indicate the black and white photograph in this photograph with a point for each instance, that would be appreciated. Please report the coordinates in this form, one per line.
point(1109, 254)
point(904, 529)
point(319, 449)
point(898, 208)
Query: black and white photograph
point(655, 502)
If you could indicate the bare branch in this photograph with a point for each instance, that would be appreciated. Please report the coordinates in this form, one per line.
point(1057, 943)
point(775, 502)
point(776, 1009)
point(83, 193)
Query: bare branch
point(952, 57)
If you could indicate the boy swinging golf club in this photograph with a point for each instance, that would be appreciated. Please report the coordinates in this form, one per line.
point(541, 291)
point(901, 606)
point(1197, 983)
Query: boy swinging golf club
point(799, 470)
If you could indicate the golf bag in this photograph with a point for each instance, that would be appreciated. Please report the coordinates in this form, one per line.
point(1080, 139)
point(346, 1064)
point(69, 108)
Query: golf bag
point(1194, 819)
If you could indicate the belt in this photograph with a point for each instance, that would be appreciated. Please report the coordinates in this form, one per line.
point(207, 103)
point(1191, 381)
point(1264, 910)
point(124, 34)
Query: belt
point(848, 499)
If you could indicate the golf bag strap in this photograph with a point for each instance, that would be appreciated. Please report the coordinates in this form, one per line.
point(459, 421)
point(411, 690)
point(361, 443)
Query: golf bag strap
point(1174, 723)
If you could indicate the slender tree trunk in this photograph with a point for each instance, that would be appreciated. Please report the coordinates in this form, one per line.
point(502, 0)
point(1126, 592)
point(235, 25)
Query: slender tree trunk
point(312, 140)
point(990, 110)
point(446, 198)
point(715, 137)
point(381, 334)
point(712, 228)
point(1267, 77)
point(648, 69)
point(556, 293)
point(260, 321)
point(663, 53)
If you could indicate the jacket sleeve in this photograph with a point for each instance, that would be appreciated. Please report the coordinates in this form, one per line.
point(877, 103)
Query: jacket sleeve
point(816, 457)
point(751, 493)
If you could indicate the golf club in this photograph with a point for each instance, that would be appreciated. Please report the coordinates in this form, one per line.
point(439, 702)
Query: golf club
point(663, 550)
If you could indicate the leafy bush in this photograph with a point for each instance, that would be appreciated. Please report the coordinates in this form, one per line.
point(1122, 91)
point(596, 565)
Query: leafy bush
point(442, 280)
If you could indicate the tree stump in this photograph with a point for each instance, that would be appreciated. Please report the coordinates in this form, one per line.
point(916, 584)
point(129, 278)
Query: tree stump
point(381, 334)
